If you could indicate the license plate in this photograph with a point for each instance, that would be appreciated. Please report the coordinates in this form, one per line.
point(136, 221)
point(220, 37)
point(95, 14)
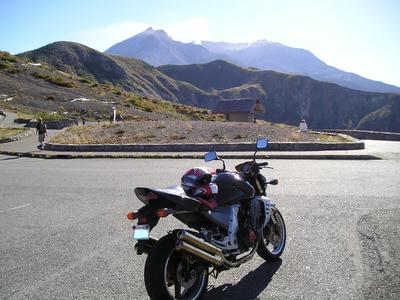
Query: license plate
point(141, 232)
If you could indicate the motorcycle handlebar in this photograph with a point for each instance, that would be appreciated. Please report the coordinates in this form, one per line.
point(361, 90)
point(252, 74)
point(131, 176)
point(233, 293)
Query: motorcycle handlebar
point(262, 164)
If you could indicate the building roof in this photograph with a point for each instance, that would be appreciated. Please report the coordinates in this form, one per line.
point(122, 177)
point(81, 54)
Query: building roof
point(239, 106)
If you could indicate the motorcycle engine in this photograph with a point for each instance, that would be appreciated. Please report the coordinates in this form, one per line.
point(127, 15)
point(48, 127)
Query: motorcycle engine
point(250, 223)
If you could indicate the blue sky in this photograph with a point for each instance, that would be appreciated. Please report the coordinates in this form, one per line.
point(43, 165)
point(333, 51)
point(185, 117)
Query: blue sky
point(360, 36)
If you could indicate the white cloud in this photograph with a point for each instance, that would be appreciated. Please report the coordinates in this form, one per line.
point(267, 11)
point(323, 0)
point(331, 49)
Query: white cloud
point(104, 37)
point(188, 30)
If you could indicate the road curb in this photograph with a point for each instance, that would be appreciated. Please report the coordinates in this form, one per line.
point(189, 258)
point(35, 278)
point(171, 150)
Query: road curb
point(191, 156)
point(233, 147)
point(365, 134)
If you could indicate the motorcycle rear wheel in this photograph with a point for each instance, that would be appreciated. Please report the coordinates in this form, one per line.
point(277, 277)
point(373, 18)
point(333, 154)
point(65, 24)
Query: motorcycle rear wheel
point(274, 238)
point(170, 274)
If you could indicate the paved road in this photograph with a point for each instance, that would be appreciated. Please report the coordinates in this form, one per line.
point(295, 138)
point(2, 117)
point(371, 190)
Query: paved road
point(63, 231)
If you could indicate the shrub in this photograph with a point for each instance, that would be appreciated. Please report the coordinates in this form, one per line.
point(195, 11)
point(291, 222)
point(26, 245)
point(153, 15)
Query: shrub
point(49, 117)
point(85, 80)
point(5, 56)
point(240, 136)
point(40, 75)
point(176, 137)
point(59, 81)
point(4, 65)
point(13, 71)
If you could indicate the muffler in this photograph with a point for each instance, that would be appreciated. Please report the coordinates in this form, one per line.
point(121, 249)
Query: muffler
point(192, 244)
point(214, 259)
point(196, 246)
point(199, 243)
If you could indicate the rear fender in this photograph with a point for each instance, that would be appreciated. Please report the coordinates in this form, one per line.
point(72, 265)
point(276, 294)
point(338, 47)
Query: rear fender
point(147, 215)
point(173, 197)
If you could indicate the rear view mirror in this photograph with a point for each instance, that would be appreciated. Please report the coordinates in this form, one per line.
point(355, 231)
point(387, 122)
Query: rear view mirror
point(273, 181)
point(210, 156)
point(262, 143)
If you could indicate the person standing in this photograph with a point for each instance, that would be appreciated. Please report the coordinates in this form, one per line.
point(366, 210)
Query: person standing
point(41, 130)
point(303, 126)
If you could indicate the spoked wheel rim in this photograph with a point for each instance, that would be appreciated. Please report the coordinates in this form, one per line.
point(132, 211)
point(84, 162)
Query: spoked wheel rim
point(275, 235)
point(182, 280)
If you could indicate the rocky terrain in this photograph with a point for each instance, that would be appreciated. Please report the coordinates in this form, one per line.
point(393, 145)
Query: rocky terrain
point(170, 132)
point(57, 90)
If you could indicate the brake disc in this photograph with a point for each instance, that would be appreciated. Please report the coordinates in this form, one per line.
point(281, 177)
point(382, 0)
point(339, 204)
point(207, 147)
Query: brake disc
point(186, 278)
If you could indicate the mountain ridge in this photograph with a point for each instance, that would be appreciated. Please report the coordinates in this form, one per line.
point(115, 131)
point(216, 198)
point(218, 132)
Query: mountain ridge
point(287, 98)
point(157, 47)
point(261, 54)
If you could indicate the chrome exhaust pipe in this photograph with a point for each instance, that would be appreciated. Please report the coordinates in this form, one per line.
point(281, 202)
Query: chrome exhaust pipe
point(199, 243)
point(213, 259)
point(200, 248)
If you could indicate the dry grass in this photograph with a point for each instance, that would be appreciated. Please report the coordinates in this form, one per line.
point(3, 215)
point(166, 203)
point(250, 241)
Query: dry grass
point(167, 132)
point(6, 133)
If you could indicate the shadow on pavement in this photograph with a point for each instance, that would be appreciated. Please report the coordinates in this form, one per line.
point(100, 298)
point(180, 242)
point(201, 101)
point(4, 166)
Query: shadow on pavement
point(10, 158)
point(249, 287)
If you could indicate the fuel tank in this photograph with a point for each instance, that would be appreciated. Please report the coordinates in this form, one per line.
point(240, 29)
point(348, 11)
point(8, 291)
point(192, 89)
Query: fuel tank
point(232, 188)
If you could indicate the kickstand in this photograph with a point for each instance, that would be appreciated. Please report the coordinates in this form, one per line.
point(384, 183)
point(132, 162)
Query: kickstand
point(214, 273)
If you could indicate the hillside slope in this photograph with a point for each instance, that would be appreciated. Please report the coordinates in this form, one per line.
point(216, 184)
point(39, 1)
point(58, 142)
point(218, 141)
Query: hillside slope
point(266, 55)
point(37, 87)
point(287, 98)
point(127, 73)
point(384, 119)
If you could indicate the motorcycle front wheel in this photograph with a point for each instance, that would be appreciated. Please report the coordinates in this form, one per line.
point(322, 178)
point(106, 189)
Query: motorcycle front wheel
point(171, 274)
point(273, 239)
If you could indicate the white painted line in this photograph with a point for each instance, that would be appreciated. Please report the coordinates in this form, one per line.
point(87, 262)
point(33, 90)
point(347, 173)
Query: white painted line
point(13, 208)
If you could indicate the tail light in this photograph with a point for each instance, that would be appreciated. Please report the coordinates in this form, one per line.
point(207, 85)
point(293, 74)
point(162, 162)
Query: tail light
point(132, 215)
point(162, 213)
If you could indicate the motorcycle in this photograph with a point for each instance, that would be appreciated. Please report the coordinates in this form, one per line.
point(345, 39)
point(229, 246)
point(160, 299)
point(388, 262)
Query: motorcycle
point(230, 219)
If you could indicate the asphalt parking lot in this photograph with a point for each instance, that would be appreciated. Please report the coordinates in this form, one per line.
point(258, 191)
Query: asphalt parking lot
point(64, 234)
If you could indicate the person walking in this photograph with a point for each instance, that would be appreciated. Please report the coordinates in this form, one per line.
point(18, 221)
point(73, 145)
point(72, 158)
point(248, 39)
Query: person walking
point(41, 130)
point(2, 117)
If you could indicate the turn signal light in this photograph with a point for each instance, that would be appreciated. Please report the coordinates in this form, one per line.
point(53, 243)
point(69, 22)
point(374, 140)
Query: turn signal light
point(131, 215)
point(162, 213)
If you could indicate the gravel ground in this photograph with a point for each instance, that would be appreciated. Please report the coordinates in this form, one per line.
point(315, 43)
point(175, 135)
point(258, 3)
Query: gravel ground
point(163, 132)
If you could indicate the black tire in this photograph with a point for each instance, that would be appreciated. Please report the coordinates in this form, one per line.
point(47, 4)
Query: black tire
point(161, 272)
point(273, 242)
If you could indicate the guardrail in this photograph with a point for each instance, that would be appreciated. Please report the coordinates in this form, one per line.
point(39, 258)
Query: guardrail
point(366, 135)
